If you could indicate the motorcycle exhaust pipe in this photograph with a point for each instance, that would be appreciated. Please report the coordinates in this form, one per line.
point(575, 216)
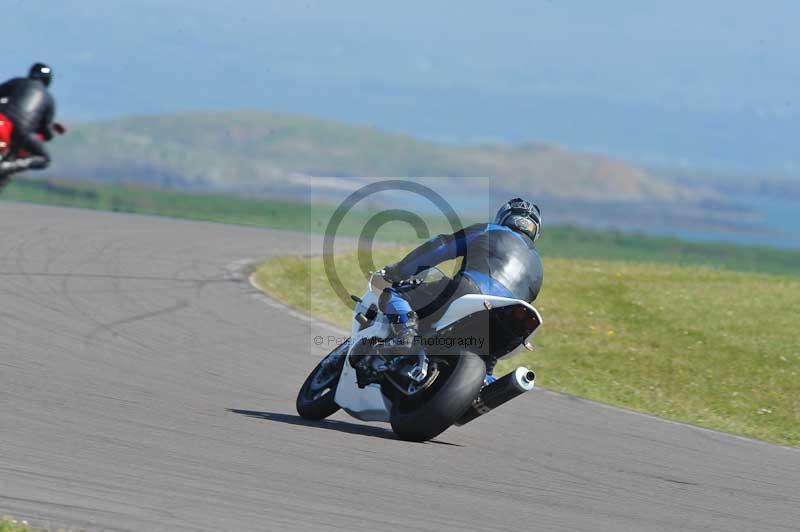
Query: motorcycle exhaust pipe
point(499, 392)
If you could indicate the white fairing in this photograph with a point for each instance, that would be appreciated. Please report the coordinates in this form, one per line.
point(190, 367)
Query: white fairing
point(471, 303)
point(367, 404)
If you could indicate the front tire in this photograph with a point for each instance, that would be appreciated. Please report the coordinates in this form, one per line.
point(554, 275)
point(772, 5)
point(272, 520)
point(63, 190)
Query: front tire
point(424, 418)
point(315, 398)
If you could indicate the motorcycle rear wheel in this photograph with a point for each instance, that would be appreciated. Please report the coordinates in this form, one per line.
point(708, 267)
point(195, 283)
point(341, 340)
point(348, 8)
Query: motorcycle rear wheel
point(423, 418)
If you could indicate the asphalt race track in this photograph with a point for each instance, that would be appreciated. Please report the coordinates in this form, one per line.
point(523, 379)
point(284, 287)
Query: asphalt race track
point(144, 385)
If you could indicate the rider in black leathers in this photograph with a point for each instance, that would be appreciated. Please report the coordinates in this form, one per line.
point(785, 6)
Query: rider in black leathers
point(31, 108)
point(499, 259)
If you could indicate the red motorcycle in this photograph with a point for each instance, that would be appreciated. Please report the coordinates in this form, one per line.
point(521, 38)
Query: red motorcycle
point(9, 152)
point(6, 129)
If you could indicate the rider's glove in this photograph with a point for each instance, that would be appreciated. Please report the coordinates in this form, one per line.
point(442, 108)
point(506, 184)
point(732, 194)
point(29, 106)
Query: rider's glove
point(59, 128)
point(391, 273)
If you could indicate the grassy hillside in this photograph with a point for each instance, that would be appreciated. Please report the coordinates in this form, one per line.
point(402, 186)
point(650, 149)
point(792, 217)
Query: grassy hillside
point(557, 241)
point(256, 150)
point(699, 345)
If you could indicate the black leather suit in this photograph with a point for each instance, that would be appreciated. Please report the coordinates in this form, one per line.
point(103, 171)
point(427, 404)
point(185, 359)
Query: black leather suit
point(31, 108)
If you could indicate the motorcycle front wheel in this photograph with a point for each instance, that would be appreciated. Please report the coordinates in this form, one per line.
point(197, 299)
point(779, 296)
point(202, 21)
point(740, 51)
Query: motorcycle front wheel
point(425, 417)
point(315, 398)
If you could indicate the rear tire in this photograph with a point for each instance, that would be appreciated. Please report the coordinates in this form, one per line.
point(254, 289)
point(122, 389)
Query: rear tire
point(315, 398)
point(442, 405)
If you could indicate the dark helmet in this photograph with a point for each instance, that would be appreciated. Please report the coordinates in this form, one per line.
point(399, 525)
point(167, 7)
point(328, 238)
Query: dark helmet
point(41, 72)
point(522, 216)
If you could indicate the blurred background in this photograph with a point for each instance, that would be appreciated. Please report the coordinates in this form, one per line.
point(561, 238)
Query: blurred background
point(676, 119)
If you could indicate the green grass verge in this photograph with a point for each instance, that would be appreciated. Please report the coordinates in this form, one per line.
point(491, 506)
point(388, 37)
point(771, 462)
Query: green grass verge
point(12, 525)
point(8, 524)
point(705, 346)
point(569, 242)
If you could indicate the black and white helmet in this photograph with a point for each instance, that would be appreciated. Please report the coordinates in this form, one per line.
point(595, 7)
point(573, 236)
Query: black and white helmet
point(522, 216)
point(41, 72)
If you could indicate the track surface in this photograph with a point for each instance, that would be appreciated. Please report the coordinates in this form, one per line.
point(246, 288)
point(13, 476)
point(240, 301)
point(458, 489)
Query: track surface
point(126, 344)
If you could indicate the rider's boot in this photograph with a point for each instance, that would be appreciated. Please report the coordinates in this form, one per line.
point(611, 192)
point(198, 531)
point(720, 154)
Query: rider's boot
point(12, 167)
point(9, 167)
point(490, 378)
point(403, 339)
point(401, 343)
point(37, 162)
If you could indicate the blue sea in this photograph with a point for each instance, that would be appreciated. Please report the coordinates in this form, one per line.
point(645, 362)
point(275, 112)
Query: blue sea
point(773, 222)
point(777, 225)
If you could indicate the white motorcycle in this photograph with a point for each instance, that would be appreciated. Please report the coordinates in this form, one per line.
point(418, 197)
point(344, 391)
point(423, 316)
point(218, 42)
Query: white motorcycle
point(423, 394)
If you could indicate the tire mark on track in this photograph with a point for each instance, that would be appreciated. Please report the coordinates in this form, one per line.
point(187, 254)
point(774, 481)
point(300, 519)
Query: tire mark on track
point(109, 327)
